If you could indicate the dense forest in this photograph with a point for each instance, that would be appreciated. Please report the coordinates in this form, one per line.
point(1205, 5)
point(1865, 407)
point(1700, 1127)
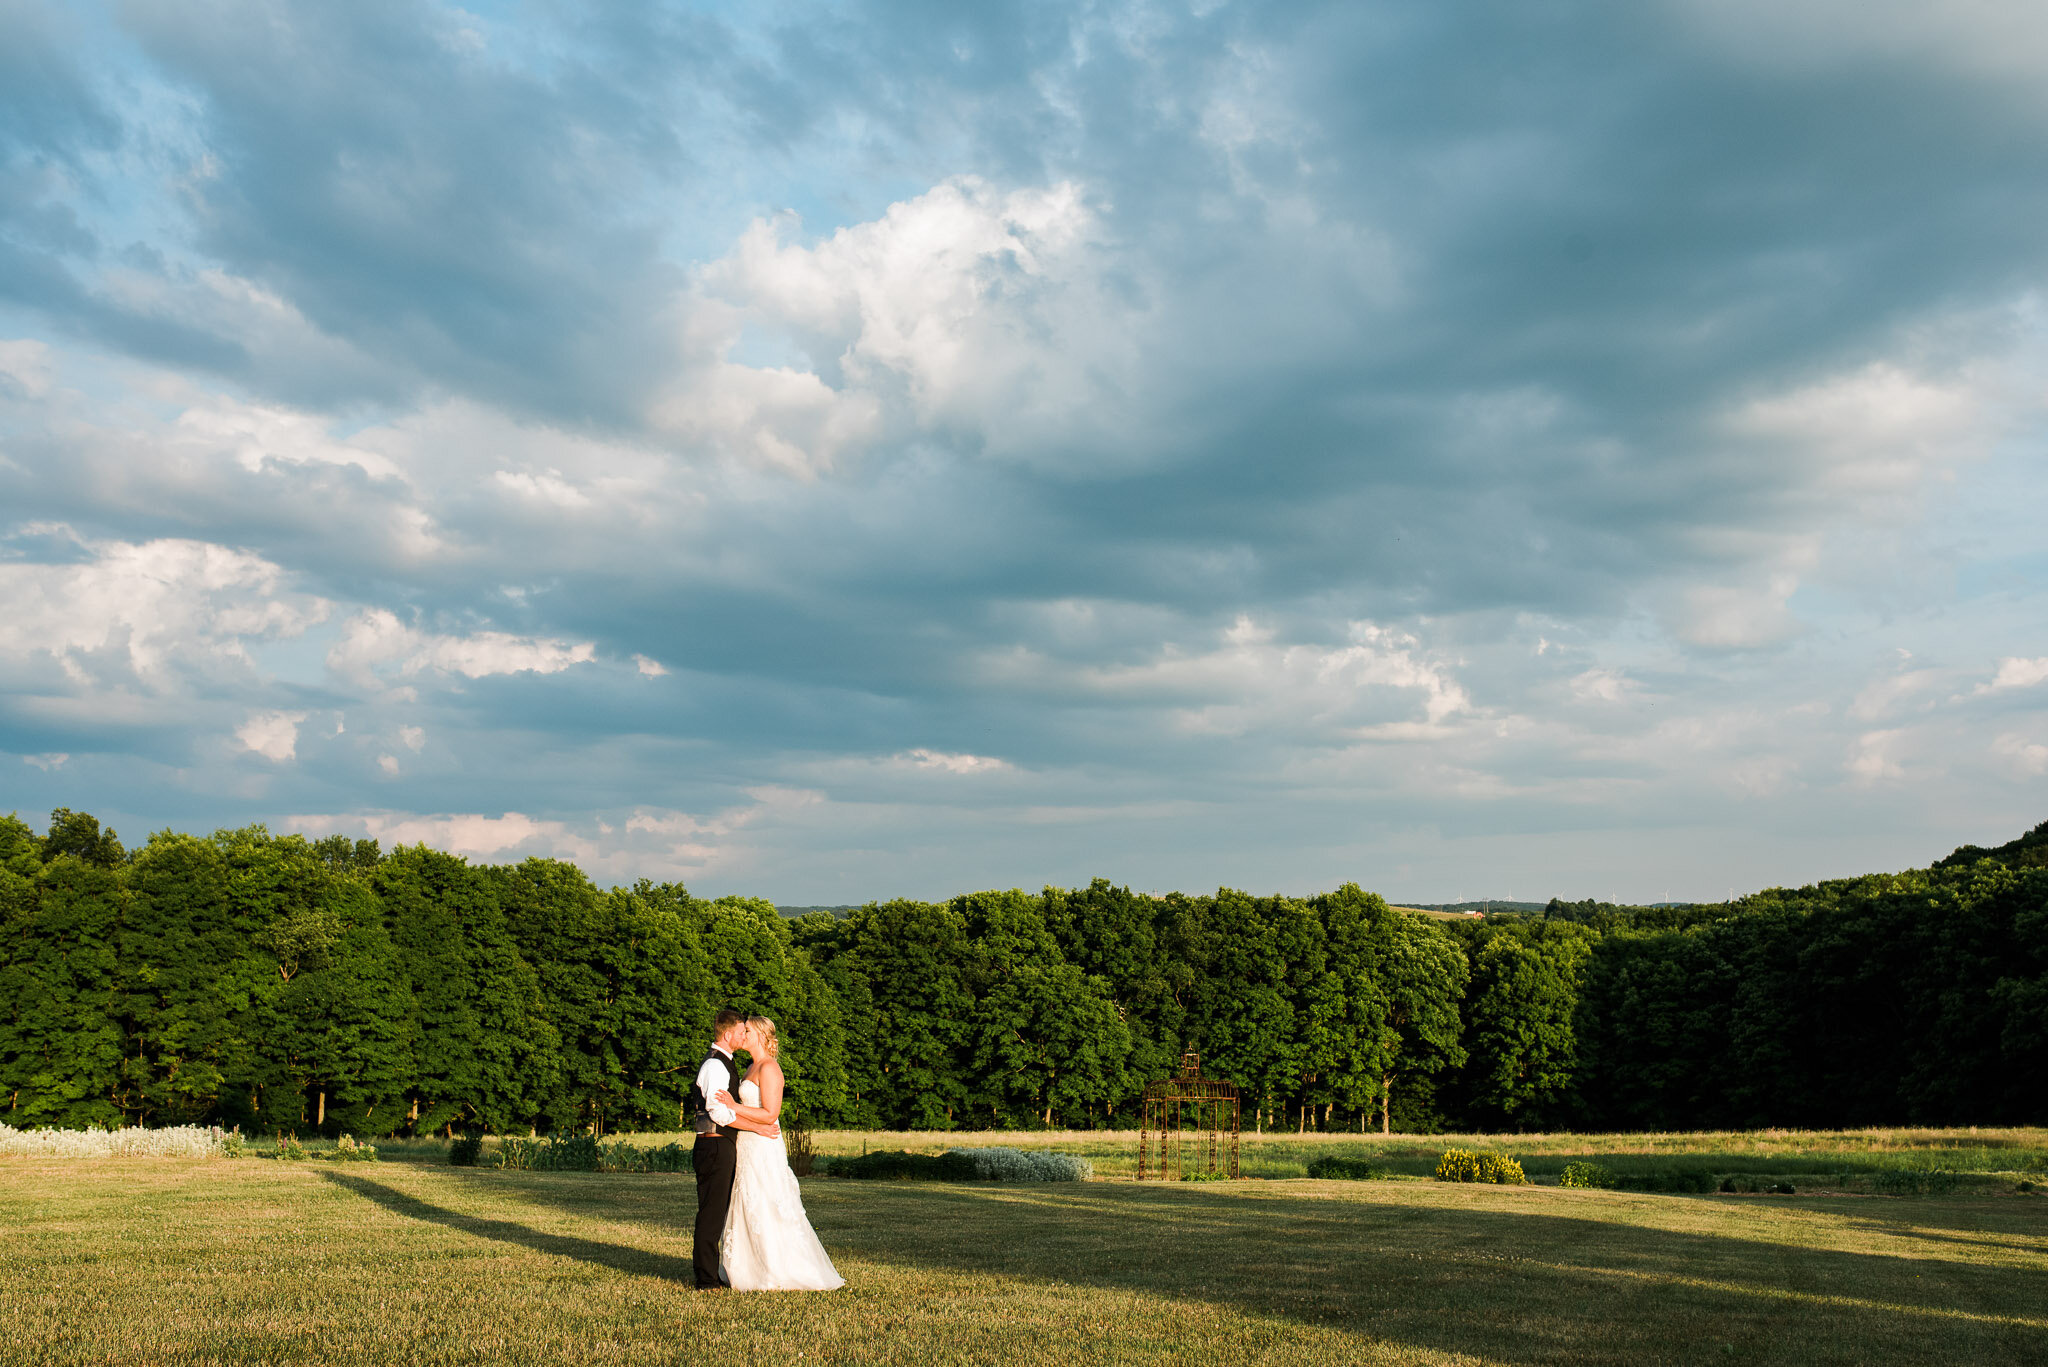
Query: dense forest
point(282, 983)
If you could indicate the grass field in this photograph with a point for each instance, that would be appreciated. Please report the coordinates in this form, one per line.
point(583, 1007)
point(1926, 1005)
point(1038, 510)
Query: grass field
point(185, 1262)
point(1840, 1160)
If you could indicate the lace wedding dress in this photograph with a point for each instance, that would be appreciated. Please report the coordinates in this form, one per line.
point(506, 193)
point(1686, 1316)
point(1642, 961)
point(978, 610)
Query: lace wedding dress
point(769, 1244)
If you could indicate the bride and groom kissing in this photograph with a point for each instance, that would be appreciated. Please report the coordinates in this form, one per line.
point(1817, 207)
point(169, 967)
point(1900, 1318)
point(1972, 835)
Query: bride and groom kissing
point(752, 1233)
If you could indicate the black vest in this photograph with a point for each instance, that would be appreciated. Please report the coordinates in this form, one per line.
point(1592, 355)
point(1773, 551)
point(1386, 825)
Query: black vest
point(699, 1104)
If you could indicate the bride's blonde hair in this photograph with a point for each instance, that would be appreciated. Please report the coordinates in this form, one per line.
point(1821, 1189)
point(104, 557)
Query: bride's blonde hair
point(765, 1028)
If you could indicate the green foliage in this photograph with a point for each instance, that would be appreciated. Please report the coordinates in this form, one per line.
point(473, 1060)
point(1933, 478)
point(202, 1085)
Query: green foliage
point(1349, 1169)
point(585, 1152)
point(1518, 1022)
point(327, 987)
point(1585, 1173)
point(467, 1151)
point(1915, 1181)
point(1463, 1165)
point(1682, 1181)
point(78, 835)
point(901, 1165)
point(554, 1153)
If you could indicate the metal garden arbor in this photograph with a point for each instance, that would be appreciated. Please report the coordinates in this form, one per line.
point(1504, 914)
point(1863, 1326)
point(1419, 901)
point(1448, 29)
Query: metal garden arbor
point(1190, 1127)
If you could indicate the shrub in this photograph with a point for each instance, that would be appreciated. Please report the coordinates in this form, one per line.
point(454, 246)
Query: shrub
point(1916, 1181)
point(1671, 1181)
point(900, 1165)
point(466, 1150)
point(553, 1153)
point(1018, 1165)
point(623, 1157)
point(1585, 1173)
point(2025, 1186)
point(179, 1141)
point(1347, 1169)
point(796, 1140)
point(1463, 1165)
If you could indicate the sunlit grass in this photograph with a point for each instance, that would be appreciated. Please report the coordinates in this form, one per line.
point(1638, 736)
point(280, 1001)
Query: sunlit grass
point(1842, 1155)
point(185, 1262)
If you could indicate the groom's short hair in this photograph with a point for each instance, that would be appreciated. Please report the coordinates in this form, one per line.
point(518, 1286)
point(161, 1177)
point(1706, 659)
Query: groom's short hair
point(725, 1020)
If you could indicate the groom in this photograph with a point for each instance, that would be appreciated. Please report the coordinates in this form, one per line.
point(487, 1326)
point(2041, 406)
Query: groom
point(713, 1155)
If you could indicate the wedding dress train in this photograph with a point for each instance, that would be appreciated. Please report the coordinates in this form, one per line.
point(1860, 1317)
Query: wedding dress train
point(769, 1244)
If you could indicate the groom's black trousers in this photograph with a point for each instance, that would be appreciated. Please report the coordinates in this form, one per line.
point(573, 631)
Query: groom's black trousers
point(713, 1159)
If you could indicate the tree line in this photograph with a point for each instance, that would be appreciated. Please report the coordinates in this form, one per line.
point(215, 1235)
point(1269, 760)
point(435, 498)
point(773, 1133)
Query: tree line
point(278, 982)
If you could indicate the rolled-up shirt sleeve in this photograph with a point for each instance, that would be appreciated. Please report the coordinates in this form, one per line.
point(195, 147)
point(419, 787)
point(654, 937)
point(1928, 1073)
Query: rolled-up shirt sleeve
point(711, 1078)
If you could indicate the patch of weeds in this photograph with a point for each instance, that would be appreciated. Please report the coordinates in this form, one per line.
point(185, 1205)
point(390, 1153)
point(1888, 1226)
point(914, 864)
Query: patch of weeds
point(1347, 1169)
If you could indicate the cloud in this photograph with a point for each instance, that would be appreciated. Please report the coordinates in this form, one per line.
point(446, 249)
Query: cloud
point(273, 735)
point(2028, 757)
point(2018, 673)
point(473, 835)
point(1602, 685)
point(1873, 758)
point(1249, 442)
point(375, 639)
point(144, 612)
point(954, 764)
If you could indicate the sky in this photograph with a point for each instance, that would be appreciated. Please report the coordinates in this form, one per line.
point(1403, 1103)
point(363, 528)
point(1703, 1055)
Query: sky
point(843, 451)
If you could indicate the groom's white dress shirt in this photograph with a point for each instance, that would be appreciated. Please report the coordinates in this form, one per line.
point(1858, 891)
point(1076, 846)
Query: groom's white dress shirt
point(710, 1080)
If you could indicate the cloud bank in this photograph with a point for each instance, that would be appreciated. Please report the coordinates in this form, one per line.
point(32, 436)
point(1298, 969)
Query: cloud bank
point(834, 454)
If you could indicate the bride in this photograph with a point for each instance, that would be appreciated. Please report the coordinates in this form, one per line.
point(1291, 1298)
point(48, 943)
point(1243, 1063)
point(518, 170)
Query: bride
point(768, 1244)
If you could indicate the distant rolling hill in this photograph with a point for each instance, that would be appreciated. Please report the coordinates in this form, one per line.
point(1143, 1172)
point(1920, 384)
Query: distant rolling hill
point(1458, 911)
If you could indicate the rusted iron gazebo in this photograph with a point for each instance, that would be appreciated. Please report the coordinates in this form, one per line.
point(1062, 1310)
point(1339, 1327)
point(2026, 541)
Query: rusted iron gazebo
point(1190, 1127)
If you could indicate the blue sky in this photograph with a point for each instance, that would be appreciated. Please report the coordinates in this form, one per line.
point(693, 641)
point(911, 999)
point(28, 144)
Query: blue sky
point(847, 451)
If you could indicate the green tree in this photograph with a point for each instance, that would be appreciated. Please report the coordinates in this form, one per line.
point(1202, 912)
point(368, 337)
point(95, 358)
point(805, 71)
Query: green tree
point(912, 959)
point(487, 1055)
point(60, 1034)
point(1404, 977)
point(1518, 1031)
point(1111, 934)
point(756, 964)
point(80, 836)
point(1045, 1037)
point(188, 981)
point(665, 1000)
point(829, 943)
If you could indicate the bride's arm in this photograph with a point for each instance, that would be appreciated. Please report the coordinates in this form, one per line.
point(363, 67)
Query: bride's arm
point(760, 1119)
point(767, 1127)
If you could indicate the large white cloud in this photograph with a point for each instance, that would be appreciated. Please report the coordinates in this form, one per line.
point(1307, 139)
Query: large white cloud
point(145, 613)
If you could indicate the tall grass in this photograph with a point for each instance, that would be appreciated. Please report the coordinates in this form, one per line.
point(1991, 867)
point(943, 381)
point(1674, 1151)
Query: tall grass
point(181, 1141)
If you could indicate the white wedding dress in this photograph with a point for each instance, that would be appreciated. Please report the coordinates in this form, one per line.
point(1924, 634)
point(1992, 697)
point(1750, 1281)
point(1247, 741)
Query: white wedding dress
point(769, 1244)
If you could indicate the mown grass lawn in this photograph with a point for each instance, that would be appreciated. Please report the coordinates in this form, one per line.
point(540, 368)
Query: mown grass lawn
point(177, 1262)
point(1831, 1155)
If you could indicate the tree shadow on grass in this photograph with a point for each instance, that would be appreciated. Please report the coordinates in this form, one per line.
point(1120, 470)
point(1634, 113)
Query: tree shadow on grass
point(1542, 1283)
point(618, 1257)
